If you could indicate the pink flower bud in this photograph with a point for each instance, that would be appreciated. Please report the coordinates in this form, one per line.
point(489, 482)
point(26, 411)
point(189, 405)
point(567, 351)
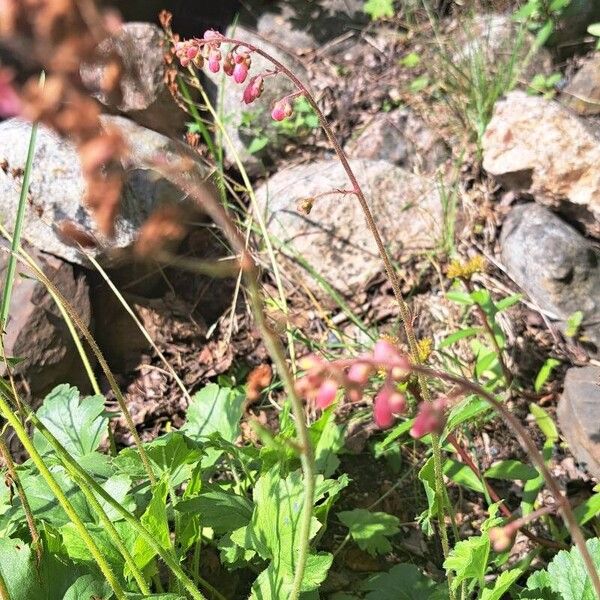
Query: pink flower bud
point(385, 352)
point(10, 103)
point(382, 413)
point(214, 61)
point(359, 373)
point(191, 52)
point(254, 89)
point(397, 403)
point(430, 418)
point(282, 110)
point(240, 72)
point(326, 393)
point(210, 35)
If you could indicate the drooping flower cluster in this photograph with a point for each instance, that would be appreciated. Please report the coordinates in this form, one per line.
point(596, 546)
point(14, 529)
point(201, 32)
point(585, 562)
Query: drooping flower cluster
point(323, 380)
point(236, 64)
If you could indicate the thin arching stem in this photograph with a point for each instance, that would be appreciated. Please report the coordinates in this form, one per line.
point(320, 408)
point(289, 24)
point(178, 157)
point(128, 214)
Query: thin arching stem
point(533, 453)
point(405, 314)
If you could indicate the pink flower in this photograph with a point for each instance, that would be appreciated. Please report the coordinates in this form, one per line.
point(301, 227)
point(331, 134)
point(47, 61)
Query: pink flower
point(385, 352)
point(382, 412)
point(240, 72)
point(210, 35)
point(214, 60)
point(430, 418)
point(359, 373)
point(282, 110)
point(10, 103)
point(326, 393)
point(254, 89)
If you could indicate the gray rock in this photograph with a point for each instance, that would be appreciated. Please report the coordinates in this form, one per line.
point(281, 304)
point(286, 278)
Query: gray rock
point(36, 332)
point(579, 415)
point(400, 137)
point(299, 25)
point(144, 95)
point(333, 238)
point(537, 145)
point(582, 94)
point(57, 186)
point(495, 38)
point(554, 264)
point(244, 123)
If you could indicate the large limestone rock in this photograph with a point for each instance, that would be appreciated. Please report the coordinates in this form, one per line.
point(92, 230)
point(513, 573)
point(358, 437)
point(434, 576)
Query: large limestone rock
point(144, 95)
point(582, 94)
point(299, 25)
point(36, 333)
point(579, 416)
point(57, 186)
point(246, 123)
point(400, 137)
point(554, 264)
point(333, 238)
point(536, 145)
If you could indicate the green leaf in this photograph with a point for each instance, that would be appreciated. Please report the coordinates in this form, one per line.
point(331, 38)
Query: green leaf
point(466, 411)
point(418, 84)
point(459, 335)
point(511, 469)
point(155, 521)
point(401, 582)
point(427, 476)
point(545, 372)
point(502, 584)
point(88, 586)
point(173, 455)
point(538, 587)
point(568, 576)
point(257, 144)
point(370, 530)
point(214, 409)
point(544, 33)
point(78, 551)
point(78, 424)
point(588, 509)
point(544, 422)
point(574, 322)
point(221, 511)
point(460, 297)
point(410, 60)
point(328, 439)
point(594, 29)
point(379, 9)
point(508, 302)
point(468, 559)
point(273, 529)
point(25, 580)
point(461, 474)
point(398, 431)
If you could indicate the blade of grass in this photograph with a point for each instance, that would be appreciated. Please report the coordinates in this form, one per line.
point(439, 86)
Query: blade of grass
point(16, 238)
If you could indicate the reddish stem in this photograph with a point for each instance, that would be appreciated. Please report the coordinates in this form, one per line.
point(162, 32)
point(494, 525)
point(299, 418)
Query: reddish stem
point(466, 457)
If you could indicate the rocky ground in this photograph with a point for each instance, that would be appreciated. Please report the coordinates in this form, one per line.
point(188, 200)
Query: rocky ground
point(527, 198)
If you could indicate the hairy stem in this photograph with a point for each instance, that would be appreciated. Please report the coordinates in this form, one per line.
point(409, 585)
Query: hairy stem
point(14, 477)
point(197, 191)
